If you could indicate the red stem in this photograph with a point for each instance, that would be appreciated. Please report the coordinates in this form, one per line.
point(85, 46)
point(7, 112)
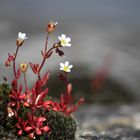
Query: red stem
point(25, 81)
point(43, 61)
point(46, 45)
point(45, 58)
point(66, 81)
point(14, 63)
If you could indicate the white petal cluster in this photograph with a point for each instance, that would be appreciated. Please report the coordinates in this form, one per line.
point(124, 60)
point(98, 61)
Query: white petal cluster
point(22, 36)
point(65, 41)
point(65, 67)
point(10, 114)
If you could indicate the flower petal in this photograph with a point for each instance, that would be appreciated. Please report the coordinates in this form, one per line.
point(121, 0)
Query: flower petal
point(19, 35)
point(63, 44)
point(66, 63)
point(63, 36)
point(68, 70)
point(61, 68)
point(22, 36)
point(62, 65)
point(68, 39)
point(68, 45)
point(70, 66)
point(59, 38)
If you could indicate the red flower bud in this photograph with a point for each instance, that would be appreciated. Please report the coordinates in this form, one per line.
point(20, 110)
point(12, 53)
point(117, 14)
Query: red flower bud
point(51, 26)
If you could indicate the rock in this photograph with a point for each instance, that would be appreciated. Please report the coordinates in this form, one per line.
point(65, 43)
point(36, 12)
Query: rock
point(108, 122)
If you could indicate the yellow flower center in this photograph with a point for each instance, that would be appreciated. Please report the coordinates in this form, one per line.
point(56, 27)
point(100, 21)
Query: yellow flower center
point(65, 68)
point(23, 67)
point(63, 41)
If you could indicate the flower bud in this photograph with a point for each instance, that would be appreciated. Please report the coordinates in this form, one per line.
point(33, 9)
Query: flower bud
point(56, 45)
point(20, 39)
point(51, 26)
point(19, 42)
point(23, 67)
point(7, 63)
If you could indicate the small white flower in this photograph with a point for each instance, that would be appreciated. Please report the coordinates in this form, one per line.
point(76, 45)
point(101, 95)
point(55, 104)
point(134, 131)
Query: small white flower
point(10, 114)
point(65, 41)
point(22, 36)
point(65, 66)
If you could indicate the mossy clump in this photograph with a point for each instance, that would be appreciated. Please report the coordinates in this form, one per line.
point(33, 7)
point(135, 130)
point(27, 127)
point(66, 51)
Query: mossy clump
point(4, 98)
point(63, 127)
point(4, 95)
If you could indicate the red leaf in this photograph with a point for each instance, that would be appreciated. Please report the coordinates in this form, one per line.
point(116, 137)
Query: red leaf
point(28, 128)
point(43, 94)
point(22, 96)
point(20, 89)
point(43, 53)
point(48, 55)
point(38, 87)
point(45, 78)
point(26, 104)
point(31, 135)
point(34, 67)
point(38, 131)
point(19, 132)
point(80, 101)
point(18, 126)
point(69, 88)
point(45, 128)
point(41, 119)
point(47, 103)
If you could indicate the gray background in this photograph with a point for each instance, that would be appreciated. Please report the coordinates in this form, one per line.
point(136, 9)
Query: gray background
point(97, 28)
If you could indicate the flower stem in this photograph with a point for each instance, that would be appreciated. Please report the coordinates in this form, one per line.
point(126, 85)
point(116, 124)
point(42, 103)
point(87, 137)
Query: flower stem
point(25, 81)
point(45, 57)
point(65, 77)
point(43, 61)
point(14, 63)
point(46, 44)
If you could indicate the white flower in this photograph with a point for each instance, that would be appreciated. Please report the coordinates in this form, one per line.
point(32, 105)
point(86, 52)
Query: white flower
point(65, 41)
point(22, 36)
point(10, 114)
point(65, 66)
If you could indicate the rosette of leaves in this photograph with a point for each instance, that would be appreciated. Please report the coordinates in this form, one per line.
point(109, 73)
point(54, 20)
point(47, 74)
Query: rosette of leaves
point(63, 127)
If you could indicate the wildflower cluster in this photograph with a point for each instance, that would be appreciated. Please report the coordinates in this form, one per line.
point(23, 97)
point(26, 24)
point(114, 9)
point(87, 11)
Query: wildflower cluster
point(30, 106)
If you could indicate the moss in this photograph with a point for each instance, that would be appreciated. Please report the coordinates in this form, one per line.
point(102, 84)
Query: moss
point(4, 95)
point(63, 127)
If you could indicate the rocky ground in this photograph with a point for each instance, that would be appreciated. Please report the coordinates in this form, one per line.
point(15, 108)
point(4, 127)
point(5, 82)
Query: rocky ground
point(108, 123)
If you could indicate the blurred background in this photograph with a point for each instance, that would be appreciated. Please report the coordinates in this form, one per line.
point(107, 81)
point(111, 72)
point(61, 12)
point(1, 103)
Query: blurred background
point(105, 48)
